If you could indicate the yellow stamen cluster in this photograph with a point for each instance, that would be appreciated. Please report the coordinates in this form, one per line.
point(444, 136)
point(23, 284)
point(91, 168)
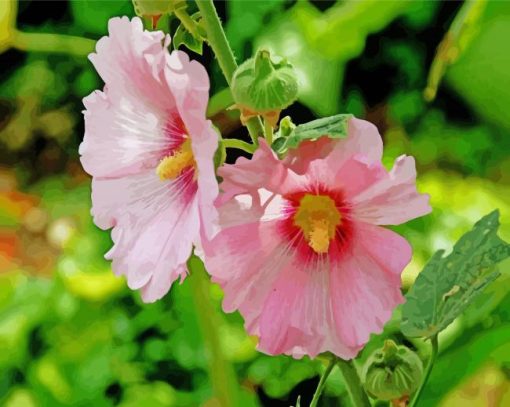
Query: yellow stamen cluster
point(318, 217)
point(173, 165)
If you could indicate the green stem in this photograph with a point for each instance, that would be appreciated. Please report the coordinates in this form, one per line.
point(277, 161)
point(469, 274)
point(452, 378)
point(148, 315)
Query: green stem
point(435, 348)
point(322, 382)
point(268, 132)
point(221, 373)
point(352, 381)
point(219, 44)
point(53, 43)
point(239, 144)
point(187, 22)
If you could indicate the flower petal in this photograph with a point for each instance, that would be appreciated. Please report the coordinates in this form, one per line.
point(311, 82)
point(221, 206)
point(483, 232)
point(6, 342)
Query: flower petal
point(130, 59)
point(263, 170)
point(123, 136)
point(363, 139)
point(189, 83)
point(126, 125)
point(153, 225)
point(297, 316)
point(365, 286)
point(393, 199)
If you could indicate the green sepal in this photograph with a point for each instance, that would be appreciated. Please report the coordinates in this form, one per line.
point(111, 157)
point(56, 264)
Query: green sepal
point(448, 285)
point(183, 37)
point(220, 155)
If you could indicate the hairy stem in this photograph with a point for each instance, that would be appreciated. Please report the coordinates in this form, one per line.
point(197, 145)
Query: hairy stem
point(352, 381)
point(219, 44)
point(435, 347)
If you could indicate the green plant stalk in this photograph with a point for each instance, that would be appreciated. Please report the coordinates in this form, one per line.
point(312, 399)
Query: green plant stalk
point(352, 381)
point(220, 371)
point(268, 131)
point(239, 144)
point(53, 43)
point(322, 382)
point(187, 21)
point(219, 44)
point(435, 347)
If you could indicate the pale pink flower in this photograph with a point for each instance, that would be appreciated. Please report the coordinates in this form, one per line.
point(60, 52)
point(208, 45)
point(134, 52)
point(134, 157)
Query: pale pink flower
point(301, 254)
point(150, 151)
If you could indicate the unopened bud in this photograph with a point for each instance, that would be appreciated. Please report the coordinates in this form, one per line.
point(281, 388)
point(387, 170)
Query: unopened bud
point(392, 372)
point(263, 87)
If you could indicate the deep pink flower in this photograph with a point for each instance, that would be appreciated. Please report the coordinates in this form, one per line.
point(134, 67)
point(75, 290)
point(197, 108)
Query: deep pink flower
point(301, 254)
point(150, 151)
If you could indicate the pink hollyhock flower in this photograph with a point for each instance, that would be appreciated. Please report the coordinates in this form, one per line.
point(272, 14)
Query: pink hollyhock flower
point(150, 151)
point(301, 253)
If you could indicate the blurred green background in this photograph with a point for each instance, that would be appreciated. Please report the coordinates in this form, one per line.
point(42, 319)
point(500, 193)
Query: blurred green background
point(72, 334)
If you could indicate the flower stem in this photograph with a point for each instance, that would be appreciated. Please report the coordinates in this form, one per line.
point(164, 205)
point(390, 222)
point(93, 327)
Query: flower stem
point(322, 382)
point(219, 44)
point(352, 381)
point(435, 347)
point(239, 144)
point(221, 373)
point(53, 43)
point(187, 22)
point(268, 132)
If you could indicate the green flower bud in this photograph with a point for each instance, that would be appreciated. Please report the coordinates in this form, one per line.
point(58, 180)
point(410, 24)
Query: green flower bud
point(156, 7)
point(392, 372)
point(261, 86)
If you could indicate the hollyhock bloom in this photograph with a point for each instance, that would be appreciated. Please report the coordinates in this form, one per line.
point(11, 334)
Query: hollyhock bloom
point(301, 253)
point(150, 151)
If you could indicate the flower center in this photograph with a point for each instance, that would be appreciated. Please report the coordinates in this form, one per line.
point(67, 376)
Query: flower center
point(174, 164)
point(318, 218)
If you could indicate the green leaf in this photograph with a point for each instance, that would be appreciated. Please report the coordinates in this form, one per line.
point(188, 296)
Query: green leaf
point(183, 37)
point(447, 285)
point(291, 136)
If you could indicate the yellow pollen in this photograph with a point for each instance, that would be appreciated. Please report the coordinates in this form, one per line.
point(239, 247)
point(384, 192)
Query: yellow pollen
point(318, 218)
point(173, 165)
